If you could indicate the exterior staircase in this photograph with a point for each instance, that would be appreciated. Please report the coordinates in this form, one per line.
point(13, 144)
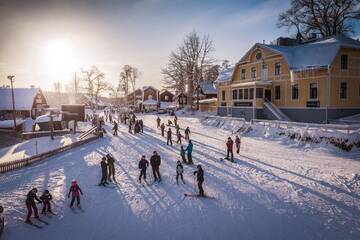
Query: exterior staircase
point(276, 111)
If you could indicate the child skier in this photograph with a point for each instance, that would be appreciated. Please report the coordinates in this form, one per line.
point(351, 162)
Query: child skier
point(179, 172)
point(115, 128)
point(200, 179)
point(104, 172)
point(75, 191)
point(179, 136)
point(143, 164)
point(229, 146)
point(237, 143)
point(187, 133)
point(162, 127)
point(182, 154)
point(189, 150)
point(169, 138)
point(158, 121)
point(46, 198)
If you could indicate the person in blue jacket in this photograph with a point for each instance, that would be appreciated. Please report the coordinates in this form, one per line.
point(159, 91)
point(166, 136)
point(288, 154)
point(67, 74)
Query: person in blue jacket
point(189, 150)
point(143, 164)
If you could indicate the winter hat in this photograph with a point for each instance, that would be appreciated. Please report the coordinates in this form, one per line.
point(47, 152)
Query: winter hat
point(73, 182)
point(103, 158)
point(178, 161)
point(34, 189)
point(198, 166)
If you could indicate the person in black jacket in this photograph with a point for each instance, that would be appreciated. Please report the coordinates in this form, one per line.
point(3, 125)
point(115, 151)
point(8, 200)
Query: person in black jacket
point(200, 179)
point(115, 128)
point(46, 198)
point(30, 204)
point(111, 161)
point(104, 174)
point(169, 137)
point(155, 162)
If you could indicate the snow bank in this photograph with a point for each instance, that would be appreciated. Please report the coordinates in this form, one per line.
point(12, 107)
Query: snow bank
point(10, 123)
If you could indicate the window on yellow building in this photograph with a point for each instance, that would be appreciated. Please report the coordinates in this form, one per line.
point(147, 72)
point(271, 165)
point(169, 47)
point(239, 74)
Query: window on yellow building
point(295, 91)
point(251, 93)
point(223, 95)
point(241, 94)
point(277, 69)
point(313, 91)
point(259, 93)
point(253, 72)
point(246, 93)
point(277, 92)
point(343, 90)
point(243, 73)
point(235, 94)
point(344, 61)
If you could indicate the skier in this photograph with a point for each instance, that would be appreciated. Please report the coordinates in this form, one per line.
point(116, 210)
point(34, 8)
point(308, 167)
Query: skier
point(130, 127)
point(46, 198)
point(179, 136)
point(158, 121)
point(155, 162)
point(179, 172)
point(175, 120)
point(200, 179)
point(104, 172)
point(110, 118)
point(169, 138)
point(162, 127)
point(237, 143)
point(187, 133)
point(2, 220)
point(143, 164)
point(115, 128)
point(30, 204)
point(229, 146)
point(189, 150)
point(141, 123)
point(182, 154)
point(75, 191)
point(169, 122)
point(177, 127)
point(111, 161)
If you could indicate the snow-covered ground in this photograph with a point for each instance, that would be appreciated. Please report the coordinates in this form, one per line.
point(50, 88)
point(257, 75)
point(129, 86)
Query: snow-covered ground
point(276, 190)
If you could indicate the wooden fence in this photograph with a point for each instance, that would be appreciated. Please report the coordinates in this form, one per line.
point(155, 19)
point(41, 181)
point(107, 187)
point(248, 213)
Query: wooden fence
point(20, 163)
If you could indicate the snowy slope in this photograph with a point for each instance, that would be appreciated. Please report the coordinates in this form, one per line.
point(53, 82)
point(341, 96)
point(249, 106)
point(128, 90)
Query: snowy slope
point(275, 190)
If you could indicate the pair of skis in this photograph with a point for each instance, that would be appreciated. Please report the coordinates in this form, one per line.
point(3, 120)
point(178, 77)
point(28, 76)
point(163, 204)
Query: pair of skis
point(37, 225)
point(197, 196)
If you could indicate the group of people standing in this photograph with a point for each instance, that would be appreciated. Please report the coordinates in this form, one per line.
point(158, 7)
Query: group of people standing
point(230, 146)
point(107, 170)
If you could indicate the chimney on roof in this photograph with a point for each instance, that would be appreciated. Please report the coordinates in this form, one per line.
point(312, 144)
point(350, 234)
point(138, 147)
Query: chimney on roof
point(285, 41)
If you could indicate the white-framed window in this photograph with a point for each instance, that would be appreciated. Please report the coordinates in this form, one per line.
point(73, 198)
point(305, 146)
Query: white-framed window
point(344, 61)
point(343, 90)
point(246, 93)
point(241, 94)
point(243, 73)
point(313, 91)
point(295, 91)
point(223, 95)
point(253, 72)
point(277, 69)
point(277, 92)
point(235, 94)
point(251, 93)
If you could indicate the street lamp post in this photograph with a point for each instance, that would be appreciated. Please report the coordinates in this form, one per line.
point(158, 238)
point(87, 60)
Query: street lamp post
point(13, 99)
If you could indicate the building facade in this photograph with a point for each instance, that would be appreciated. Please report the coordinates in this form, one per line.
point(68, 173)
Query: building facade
point(315, 81)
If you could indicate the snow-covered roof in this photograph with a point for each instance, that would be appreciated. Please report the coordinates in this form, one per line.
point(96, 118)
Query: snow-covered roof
point(317, 54)
point(147, 87)
point(46, 118)
point(149, 102)
point(210, 100)
point(24, 98)
point(208, 88)
point(10, 123)
point(252, 83)
point(225, 75)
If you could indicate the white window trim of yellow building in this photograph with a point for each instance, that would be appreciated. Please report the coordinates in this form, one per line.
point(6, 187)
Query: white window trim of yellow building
point(317, 93)
point(277, 99)
point(347, 90)
point(280, 69)
point(295, 99)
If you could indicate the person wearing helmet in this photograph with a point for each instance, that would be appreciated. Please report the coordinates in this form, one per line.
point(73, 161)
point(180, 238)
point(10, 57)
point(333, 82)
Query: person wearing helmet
point(30, 204)
point(155, 162)
point(46, 198)
point(200, 179)
point(179, 172)
point(143, 164)
point(75, 191)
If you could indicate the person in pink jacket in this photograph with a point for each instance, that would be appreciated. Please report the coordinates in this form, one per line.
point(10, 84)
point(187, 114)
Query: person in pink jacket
point(75, 191)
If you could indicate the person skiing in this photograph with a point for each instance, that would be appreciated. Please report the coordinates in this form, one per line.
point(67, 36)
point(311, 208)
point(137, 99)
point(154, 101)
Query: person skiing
point(111, 161)
point(237, 143)
point(177, 127)
point(143, 164)
point(229, 146)
point(200, 179)
point(169, 138)
point(162, 127)
point(179, 136)
point(30, 204)
point(189, 150)
point(104, 173)
point(175, 120)
point(182, 154)
point(130, 131)
point(169, 122)
point(158, 121)
point(46, 198)
point(155, 162)
point(141, 124)
point(179, 172)
point(187, 133)
point(115, 128)
point(75, 191)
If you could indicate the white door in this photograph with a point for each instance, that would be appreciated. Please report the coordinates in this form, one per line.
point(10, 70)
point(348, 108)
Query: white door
point(265, 72)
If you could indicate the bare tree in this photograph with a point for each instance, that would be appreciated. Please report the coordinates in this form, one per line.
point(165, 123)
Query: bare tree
point(128, 78)
point(58, 90)
point(95, 85)
point(324, 17)
point(189, 63)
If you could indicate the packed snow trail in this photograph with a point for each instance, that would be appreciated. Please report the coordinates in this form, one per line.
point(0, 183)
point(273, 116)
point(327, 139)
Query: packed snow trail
point(274, 190)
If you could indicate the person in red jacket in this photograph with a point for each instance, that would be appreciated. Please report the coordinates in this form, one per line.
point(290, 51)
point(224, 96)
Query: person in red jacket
point(229, 146)
point(75, 191)
point(46, 198)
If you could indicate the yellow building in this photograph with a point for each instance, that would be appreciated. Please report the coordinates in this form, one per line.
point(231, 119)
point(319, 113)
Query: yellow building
point(313, 81)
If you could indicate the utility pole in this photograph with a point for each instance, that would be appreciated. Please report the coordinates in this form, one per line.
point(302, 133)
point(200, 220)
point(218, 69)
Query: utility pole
point(13, 99)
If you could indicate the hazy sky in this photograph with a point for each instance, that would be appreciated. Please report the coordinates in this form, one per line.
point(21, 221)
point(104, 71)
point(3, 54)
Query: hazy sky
point(43, 41)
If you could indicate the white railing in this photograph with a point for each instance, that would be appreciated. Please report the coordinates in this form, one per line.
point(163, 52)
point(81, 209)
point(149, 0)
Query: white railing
point(276, 111)
point(345, 128)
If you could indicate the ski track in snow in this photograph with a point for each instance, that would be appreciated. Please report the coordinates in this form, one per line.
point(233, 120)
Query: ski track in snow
point(274, 190)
